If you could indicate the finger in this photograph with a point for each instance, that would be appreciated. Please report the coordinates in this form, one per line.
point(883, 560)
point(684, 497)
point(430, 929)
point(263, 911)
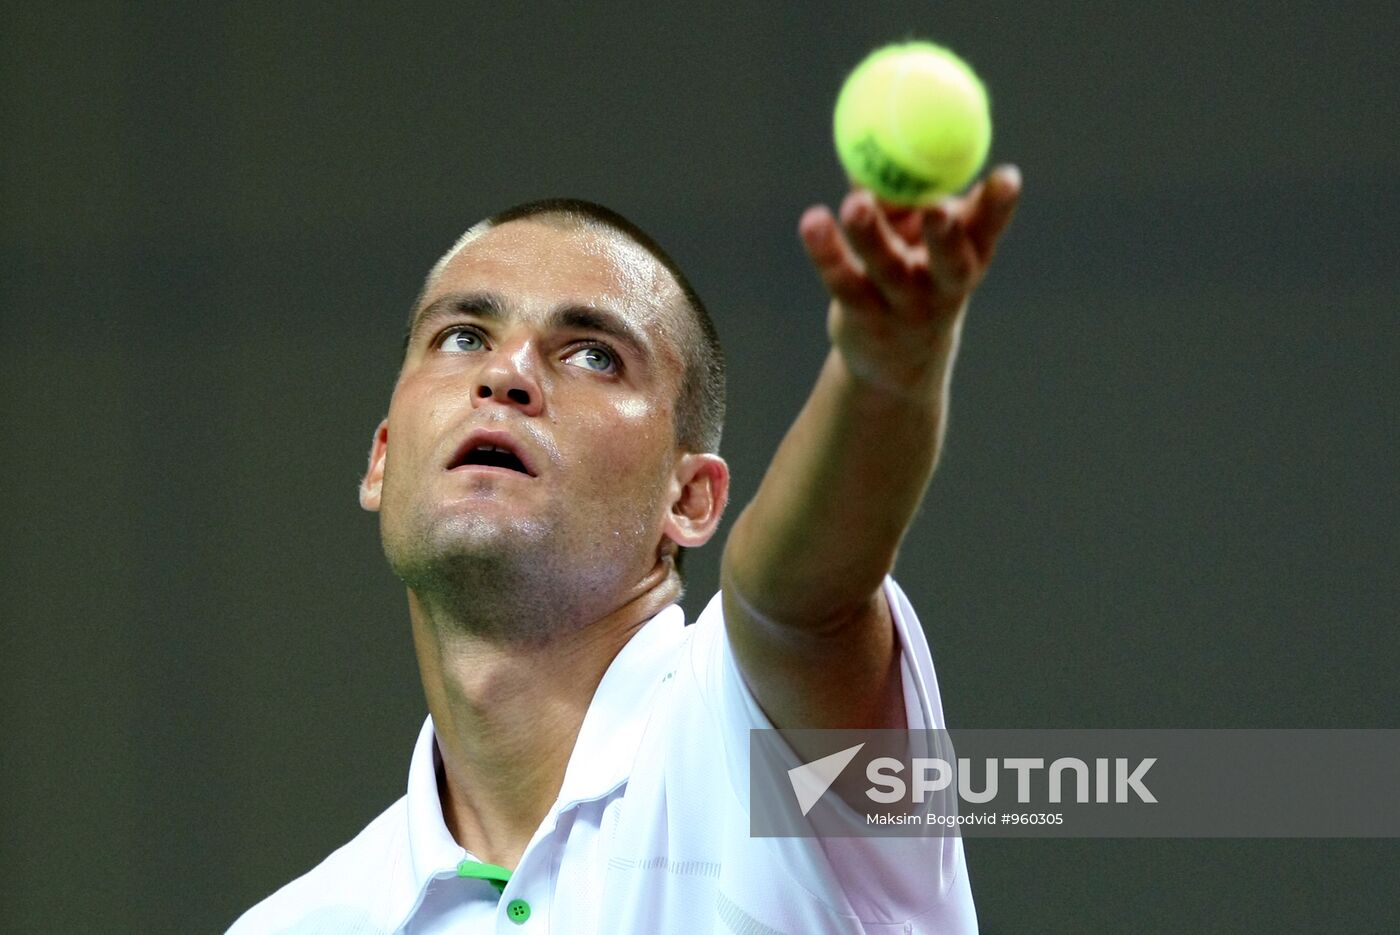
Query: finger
point(840, 268)
point(963, 206)
point(905, 220)
point(1000, 194)
point(908, 223)
point(951, 260)
point(880, 248)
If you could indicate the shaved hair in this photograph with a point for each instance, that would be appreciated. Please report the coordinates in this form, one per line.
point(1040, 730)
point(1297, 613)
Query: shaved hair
point(699, 412)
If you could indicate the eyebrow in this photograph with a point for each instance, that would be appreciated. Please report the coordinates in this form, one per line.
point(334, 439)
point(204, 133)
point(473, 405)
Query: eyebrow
point(600, 321)
point(490, 306)
point(456, 304)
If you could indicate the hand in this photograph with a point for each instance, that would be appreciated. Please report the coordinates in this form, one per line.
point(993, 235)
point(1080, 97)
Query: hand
point(900, 278)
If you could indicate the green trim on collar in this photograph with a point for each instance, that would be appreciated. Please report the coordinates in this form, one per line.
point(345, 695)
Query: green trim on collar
point(496, 876)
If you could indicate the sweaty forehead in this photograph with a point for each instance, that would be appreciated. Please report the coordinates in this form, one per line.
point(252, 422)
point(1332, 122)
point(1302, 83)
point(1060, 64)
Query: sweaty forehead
point(543, 261)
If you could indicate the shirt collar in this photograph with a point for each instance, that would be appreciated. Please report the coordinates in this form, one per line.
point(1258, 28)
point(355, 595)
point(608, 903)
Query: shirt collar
point(431, 847)
point(601, 759)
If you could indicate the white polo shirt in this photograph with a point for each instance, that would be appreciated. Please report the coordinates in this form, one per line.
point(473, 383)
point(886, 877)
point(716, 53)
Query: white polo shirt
point(650, 833)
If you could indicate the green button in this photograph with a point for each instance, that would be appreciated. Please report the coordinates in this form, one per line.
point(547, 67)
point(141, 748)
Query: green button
point(518, 910)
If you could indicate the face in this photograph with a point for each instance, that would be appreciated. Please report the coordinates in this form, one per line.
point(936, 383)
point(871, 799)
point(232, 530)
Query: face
point(532, 428)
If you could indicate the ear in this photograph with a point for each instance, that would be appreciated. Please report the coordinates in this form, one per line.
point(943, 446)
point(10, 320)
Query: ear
point(372, 483)
point(699, 492)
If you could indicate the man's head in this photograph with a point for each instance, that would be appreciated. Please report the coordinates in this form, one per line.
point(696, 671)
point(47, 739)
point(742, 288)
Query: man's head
point(553, 429)
point(700, 407)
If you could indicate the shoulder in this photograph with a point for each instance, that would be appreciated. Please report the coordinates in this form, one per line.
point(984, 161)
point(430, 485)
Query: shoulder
point(706, 749)
point(717, 676)
point(350, 891)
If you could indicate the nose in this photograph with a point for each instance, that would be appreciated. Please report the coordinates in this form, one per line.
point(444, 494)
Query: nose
point(507, 379)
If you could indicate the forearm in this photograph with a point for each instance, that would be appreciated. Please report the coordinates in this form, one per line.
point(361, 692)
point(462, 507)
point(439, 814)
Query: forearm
point(803, 566)
point(813, 546)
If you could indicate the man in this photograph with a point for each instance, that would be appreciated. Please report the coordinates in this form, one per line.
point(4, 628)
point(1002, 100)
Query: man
point(550, 448)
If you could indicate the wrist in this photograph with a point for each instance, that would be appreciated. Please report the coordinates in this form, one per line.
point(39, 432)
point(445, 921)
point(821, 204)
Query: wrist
point(906, 367)
point(887, 386)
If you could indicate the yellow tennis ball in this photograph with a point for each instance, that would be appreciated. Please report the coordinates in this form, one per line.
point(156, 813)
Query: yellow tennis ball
point(912, 123)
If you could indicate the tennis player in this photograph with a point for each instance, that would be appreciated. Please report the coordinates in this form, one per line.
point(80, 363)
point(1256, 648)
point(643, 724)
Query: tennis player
point(551, 448)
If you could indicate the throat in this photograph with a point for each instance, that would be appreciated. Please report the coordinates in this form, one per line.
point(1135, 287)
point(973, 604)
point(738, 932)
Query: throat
point(495, 791)
point(507, 716)
point(507, 710)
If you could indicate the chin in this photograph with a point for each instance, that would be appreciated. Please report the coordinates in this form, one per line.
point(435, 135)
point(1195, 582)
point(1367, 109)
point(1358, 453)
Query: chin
point(463, 540)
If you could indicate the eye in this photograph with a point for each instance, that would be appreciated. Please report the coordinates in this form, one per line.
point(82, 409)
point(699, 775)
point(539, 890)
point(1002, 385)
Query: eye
point(459, 340)
point(593, 357)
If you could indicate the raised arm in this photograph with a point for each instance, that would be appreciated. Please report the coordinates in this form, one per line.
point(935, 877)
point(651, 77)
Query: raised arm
point(803, 566)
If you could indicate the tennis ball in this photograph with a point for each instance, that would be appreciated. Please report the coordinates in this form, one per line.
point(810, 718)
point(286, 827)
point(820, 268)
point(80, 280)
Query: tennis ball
point(912, 123)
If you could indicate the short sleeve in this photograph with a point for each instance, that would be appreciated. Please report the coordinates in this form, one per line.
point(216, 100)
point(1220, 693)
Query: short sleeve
point(882, 880)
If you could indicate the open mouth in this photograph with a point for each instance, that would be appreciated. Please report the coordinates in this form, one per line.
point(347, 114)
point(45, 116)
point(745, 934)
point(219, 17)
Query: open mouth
point(493, 457)
point(492, 452)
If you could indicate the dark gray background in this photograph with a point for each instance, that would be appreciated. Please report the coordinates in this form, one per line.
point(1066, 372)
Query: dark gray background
point(1167, 499)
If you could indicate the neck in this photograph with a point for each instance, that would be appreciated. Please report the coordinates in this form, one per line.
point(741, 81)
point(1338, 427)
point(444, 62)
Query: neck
point(507, 710)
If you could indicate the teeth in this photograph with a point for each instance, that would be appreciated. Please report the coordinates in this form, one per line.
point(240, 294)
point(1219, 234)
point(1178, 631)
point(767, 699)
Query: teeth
point(478, 454)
